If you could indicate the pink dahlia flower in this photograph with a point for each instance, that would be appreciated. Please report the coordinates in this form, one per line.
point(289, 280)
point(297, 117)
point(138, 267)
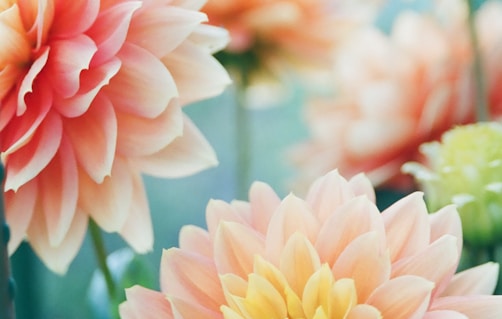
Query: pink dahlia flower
point(91, 94)
point(332, 255)
point(408, 89)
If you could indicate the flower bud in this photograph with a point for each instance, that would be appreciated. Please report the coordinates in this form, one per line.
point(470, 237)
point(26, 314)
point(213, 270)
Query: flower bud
point(465, 169)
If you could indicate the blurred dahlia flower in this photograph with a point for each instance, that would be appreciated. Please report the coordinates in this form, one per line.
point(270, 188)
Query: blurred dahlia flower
point(91, 95)
point(412, 86)
point(332, 255)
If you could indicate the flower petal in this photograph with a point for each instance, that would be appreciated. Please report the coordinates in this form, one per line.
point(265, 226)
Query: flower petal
point(186, 155)
point(192, 277)
point(93, 136)
point(75, 17)
point(137, 297)
point(143, 86)
point(196, 240)
point(264, 201)
point(479, 307)
point(480, 280)
point(27, 162)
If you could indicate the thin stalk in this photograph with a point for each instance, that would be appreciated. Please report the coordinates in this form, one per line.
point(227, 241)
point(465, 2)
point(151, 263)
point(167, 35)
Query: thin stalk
point(482, 110)
point(99, 249)
point(243, 138)
point(7, 309)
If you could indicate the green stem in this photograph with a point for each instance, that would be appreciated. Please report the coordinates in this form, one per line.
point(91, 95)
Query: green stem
point(243, 139)
point(99, 249)
point(482, 111)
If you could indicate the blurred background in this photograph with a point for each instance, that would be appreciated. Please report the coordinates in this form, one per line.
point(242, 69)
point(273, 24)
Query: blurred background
point(174, 203)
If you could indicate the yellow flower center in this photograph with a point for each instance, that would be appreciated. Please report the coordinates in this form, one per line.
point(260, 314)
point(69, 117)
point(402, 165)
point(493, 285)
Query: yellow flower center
point(302, 287)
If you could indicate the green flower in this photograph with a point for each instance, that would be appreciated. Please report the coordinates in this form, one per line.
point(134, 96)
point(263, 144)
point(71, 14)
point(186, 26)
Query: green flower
point(465, 169)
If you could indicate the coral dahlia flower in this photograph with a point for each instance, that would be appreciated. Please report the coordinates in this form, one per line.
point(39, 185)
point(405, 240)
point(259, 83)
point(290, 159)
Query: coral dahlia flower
point(91, 94)
point(332, 255)
point(409, 88)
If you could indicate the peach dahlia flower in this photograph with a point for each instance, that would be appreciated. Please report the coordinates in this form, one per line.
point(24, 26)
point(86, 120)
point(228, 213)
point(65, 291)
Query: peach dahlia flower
point(409, 88)
point(91, 94)
point(332, 255)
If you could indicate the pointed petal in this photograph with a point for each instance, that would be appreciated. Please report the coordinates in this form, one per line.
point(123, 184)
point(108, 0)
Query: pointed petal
point(363, 311)
point(218, 211)
point(446, 221)
point(479, 307)
point(110, 29)
point(108, 203)
point(138, 229)
point(361, 185)
point(93, 136)
point(196, 240)
point(407, 226)
point(264, 201)
point(19, 208)
point(160, 29)
point(299, 261)
point(364, 261)
point(143, 86)
point(198, 74)
point(78, 16)
point(327, 193)
point(186, 155)
point(191, 277)
point(235, 246)
point(185, 309)
point(293, 215)
point(480, 280)
point(402, 297)
point(57, 258)
point(143, 303)
point(58, 193)
point(351, 219)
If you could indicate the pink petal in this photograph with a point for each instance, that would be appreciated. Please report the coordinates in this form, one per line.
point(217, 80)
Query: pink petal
point(235, 246)
point(161, 28)
point(57, 258)
point(108, 203)
point(74, 17)
point(407, 226)
point(198, 74)
point(67, 59)
point(264, 202)
point(20, 129)
point(183, 309)
point(446, 221)
point(19, 208)
point(444, 314)
point(195, 239)
point(32, 158)
point(110, 30)
point(402, 297)
point(210, 38)
point(189, 4)
point(8, 109)
point(8, 78)
point(143, 86)
point(186, 155)
point(143, 303)
point(480, 280)
point(218, 211)
point(191, 277)
point(361, 185)
point(293, 215)
point(365, 262)
point(478, 307)
point(38, 17)
point(327, 193)
point(28, 80)
point(140, 136)
point(91, 83)
point(436, 263)
point(351, 219)
point(58, 193)
point(138, 230)
point(363, 311)
point(93, 136)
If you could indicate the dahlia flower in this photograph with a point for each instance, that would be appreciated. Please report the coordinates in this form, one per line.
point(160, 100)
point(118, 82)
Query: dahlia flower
point(332, 255)
point(465, 168)
point(390, 99)
point(91, 94)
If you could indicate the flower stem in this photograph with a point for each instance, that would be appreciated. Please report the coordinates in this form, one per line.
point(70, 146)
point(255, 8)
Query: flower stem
point(7, 309)
point(482, 111)
point(99, 249)
point(243, 139)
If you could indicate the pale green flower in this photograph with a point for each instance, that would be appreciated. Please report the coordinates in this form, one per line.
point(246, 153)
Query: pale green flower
point(465, 169)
